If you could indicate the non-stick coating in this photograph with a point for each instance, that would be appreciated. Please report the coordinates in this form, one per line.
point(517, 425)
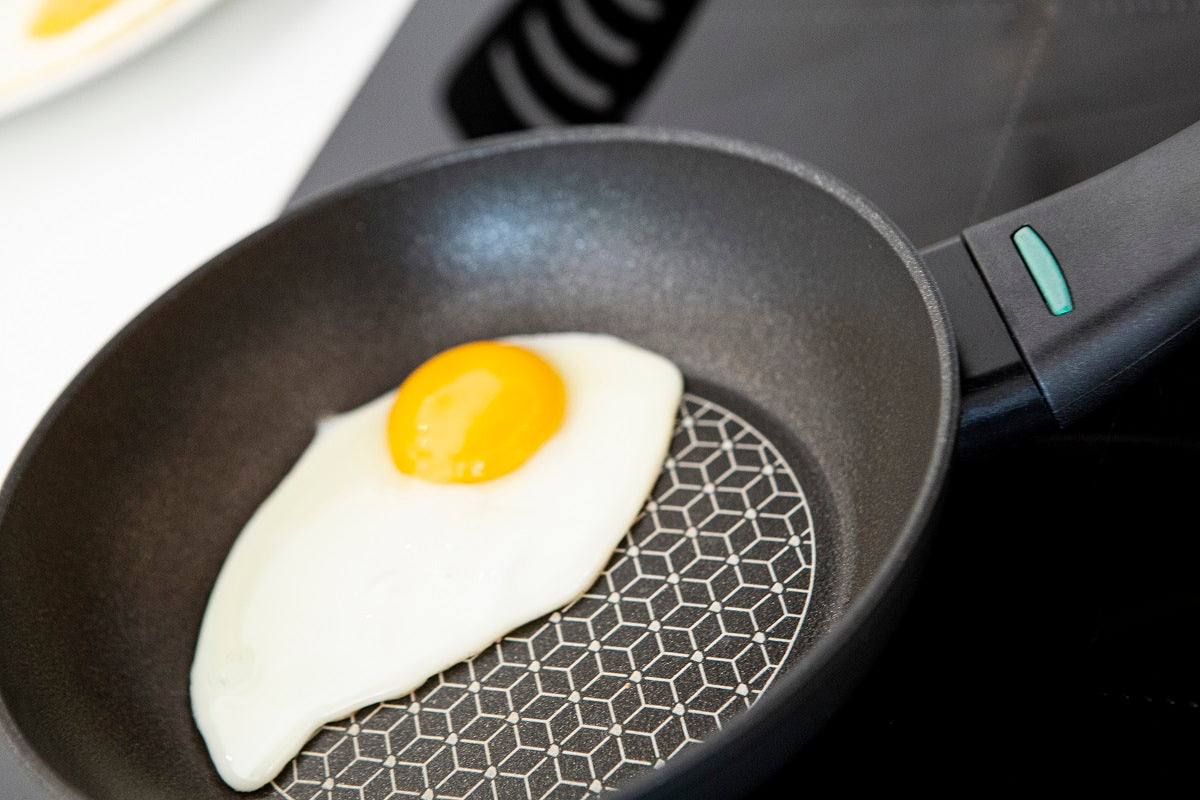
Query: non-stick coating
point(756, 275)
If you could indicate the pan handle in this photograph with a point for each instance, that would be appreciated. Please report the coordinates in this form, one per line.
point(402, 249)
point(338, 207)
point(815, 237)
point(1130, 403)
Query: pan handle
point(1000, 401)
point(1097, 282)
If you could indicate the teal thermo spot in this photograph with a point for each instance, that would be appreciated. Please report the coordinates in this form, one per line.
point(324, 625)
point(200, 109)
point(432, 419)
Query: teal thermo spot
point(1044, 269)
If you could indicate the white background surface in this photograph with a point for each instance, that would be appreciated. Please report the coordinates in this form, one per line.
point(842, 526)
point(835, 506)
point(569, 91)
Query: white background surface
point(111, 193)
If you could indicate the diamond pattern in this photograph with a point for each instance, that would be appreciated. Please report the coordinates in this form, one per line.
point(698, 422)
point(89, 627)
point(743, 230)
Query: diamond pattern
point(691, 621)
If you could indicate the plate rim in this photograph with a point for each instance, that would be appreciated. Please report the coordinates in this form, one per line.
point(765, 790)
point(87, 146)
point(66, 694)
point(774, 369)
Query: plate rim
point(165, 18)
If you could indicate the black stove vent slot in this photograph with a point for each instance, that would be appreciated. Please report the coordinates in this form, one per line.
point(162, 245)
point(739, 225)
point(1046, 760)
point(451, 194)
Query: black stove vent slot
point(556, 62)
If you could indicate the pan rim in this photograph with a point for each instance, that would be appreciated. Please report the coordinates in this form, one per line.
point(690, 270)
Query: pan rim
point(844, 629)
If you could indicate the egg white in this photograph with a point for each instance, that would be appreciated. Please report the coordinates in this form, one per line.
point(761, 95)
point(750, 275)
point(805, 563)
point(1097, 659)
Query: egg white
point(354, 583)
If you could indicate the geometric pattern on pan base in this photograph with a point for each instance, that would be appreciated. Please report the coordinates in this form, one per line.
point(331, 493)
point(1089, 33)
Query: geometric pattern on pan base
point(690, 622)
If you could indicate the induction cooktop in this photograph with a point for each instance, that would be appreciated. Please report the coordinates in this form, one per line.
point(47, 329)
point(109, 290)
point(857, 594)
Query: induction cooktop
point(1052, 640)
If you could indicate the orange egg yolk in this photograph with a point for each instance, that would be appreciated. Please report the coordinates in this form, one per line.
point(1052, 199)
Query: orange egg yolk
point(474, 412)
point(59, 16)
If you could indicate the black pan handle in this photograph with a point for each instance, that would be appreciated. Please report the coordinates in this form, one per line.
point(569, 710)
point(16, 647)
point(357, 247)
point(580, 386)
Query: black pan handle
point(1097, 282)
point(1000, 401)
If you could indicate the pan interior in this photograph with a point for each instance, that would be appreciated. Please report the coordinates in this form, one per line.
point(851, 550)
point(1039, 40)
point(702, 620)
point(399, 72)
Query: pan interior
point(697, 613)
point(786, 309)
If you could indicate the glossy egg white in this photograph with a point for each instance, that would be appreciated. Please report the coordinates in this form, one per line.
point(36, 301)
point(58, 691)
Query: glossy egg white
point(354, 583)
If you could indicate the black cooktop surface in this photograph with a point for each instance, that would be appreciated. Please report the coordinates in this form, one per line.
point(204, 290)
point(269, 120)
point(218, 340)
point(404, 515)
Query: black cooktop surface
point(1052, 637)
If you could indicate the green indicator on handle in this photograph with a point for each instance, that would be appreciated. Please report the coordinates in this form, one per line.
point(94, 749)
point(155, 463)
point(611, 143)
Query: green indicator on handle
point(1044, 268)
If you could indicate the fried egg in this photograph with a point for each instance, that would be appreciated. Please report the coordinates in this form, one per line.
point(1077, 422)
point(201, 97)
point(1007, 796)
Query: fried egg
point(416, 530)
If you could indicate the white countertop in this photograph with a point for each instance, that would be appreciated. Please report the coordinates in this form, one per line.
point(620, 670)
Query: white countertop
point(111, 193)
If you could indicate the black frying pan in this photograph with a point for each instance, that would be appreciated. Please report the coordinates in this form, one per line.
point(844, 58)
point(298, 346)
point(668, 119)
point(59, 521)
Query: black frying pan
point(822, 410)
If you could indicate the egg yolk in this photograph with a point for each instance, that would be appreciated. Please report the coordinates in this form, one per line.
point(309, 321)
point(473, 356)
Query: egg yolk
point(474, 412)
point(59, 16)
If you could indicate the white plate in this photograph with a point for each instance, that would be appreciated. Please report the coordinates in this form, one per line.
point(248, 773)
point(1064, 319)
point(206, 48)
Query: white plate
point(33, 69)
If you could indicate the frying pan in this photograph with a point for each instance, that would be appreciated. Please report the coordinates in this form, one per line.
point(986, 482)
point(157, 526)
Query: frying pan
point(822, 411)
